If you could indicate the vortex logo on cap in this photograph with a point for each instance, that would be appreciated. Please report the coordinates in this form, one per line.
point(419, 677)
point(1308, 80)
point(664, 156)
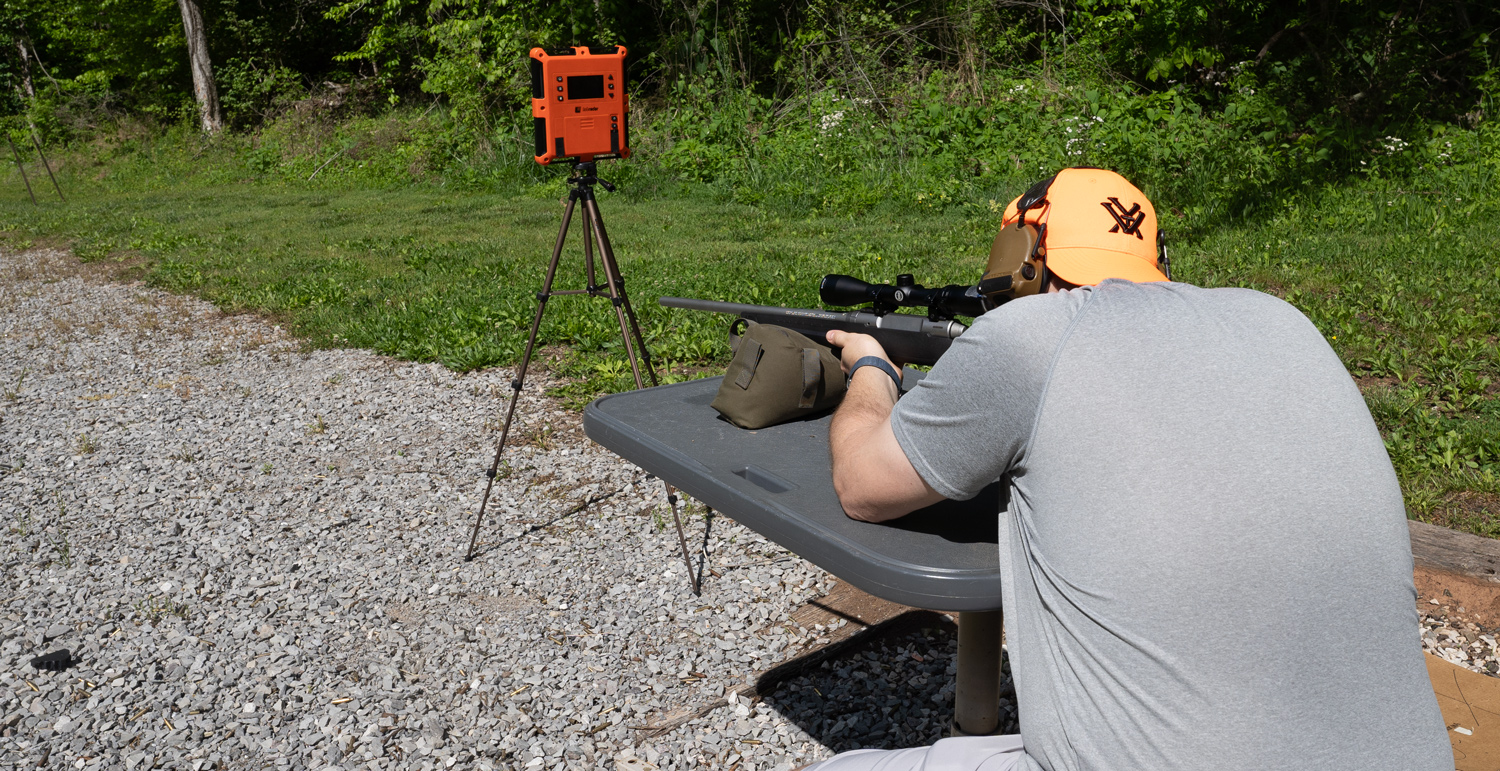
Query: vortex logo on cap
point(1126, 220)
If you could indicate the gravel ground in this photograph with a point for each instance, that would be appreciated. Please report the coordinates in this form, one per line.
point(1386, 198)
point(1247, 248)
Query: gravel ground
point(1453, 636)
point(254, 550)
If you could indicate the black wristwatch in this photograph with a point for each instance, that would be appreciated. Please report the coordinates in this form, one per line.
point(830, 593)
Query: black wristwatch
point(882, 365)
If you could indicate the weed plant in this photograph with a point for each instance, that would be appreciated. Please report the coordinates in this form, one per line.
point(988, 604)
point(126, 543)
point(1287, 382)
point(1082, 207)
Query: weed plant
point(153, 609)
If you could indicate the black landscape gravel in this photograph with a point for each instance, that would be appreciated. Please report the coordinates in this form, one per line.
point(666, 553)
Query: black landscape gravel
point(254, 553)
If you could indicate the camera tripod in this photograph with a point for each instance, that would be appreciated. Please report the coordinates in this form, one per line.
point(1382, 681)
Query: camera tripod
point(582, 180)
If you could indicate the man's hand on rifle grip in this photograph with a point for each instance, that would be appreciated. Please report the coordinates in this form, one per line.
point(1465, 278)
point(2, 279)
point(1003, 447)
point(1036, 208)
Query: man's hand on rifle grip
point(855, 347)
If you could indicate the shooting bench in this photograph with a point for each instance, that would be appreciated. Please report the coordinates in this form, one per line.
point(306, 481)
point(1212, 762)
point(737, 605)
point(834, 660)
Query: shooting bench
point(778, 482)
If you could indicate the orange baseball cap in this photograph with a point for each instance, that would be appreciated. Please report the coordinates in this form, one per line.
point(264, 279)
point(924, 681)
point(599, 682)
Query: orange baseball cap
point(1096, 225)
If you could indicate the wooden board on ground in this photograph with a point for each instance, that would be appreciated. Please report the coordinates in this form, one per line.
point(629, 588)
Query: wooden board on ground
point(850, 604)
point(1456, 573)
point(1449, 551)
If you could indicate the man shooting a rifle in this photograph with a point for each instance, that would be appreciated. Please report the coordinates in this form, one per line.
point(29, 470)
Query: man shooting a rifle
point(1205, 553)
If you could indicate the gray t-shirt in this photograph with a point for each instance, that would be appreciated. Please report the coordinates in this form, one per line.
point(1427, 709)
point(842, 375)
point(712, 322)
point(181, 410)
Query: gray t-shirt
point(1205, 554)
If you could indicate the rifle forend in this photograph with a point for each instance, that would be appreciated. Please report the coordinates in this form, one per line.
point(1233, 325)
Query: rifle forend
point(907, 338)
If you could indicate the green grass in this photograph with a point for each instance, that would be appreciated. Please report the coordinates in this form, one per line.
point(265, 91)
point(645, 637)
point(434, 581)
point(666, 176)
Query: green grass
point(1406, 288)
point(1402, 281)
point(429, 275)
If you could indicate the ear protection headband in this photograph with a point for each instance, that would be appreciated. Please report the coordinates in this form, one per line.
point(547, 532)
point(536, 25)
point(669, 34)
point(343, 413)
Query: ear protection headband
point(1018, 256)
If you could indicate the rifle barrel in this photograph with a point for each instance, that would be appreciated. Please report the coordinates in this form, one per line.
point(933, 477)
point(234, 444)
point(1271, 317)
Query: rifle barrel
point(906, 337)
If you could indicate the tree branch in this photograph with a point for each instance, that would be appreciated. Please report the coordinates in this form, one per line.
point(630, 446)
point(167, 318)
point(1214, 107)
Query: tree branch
point(1265, 49)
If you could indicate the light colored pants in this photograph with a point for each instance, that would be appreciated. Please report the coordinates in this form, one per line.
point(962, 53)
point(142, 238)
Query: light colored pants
point(961, 753)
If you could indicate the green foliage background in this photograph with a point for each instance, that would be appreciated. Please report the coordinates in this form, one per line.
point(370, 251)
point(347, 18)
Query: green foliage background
point(1292, 89)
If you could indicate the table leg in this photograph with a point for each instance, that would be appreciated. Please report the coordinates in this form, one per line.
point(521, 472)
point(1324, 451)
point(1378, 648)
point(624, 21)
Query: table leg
point(976, 709)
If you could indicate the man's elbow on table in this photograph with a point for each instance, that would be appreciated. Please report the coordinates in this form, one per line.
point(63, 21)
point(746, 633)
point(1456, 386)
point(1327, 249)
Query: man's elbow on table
point(882, 487)
point(859, 505)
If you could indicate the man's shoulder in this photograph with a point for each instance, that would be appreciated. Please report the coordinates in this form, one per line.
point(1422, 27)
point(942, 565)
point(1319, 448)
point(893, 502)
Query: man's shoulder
point(1038, 323)
point(1164, 300)
point(1119, 289)
point(1038, 311)
point(1025, 330)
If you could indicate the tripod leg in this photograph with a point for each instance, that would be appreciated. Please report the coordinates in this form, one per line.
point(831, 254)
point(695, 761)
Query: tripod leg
point(48, 167)
point(590, 209)
point(635, 327)
point(617, 295)
point(694, 580)
point(588, 254)
point(617, 298)
point(515, 385)
point(22, 169)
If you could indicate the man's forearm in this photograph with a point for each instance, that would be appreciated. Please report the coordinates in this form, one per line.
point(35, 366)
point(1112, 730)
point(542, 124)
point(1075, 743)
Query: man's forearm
point(865, 410)
point(867, 404)
point(871, 474)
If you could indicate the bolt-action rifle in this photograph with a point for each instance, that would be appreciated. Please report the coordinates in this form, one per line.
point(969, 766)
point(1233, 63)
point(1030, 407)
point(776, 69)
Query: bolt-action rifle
point(907, 337)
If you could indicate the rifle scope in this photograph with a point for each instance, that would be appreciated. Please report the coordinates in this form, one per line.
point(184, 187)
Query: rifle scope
point(940, 302)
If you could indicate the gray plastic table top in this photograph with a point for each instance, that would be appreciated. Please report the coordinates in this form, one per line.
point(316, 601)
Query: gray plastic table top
point(777, 481)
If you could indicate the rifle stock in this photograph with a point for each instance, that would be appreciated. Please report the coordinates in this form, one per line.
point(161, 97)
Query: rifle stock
point(907, 337)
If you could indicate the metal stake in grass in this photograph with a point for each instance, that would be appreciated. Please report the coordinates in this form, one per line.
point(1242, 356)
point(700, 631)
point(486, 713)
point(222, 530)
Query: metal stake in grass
point(48, 167)
point(22, 169)
point(583, 181)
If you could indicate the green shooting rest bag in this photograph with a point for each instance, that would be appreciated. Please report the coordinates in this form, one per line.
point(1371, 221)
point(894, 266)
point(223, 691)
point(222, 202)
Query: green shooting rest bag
point(776, 375)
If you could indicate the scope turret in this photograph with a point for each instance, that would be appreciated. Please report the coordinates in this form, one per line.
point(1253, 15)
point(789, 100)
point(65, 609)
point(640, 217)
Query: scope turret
point(940, 302)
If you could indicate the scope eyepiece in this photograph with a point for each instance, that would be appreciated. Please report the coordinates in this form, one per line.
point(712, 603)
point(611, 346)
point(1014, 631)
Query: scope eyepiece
point(941, 303)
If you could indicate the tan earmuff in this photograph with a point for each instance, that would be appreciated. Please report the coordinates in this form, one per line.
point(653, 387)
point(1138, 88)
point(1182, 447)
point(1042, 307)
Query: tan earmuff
point(1017, 266)
point(1017, 263)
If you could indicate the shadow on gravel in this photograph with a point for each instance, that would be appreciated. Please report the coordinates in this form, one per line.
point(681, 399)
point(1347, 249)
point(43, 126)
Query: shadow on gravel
point(888, 688)
point(486, 547)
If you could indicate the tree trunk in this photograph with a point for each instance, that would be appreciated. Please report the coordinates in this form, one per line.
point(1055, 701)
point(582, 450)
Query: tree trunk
point(203, 72)
point(26, 87)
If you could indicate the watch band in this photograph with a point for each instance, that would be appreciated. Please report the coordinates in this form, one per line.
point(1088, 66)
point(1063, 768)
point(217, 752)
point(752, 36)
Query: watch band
point(878, 363)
